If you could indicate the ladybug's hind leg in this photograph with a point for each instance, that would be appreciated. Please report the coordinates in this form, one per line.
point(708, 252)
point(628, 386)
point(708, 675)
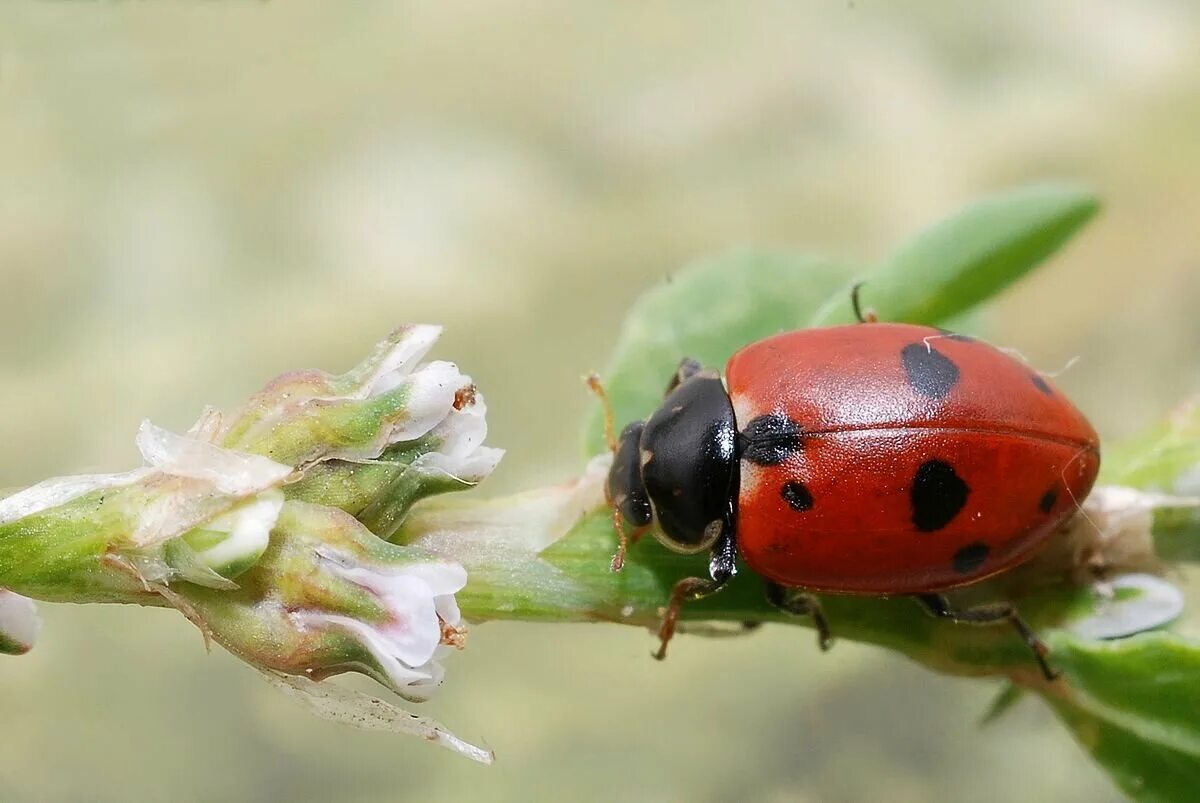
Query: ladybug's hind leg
point(939, 606)
point(798, 603)
point(722, 566)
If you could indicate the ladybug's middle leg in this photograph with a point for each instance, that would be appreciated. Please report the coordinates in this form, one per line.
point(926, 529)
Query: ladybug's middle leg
point(939, 606)
point(798, 603)
point(722, 566)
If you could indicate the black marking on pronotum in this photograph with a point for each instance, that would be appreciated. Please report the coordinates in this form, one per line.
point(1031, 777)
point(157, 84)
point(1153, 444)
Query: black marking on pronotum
point(770, 439)
point(798, 497)
point(938, 494)
point(971, 557)
point(1046, 503)
point(930, 372)
point(1042, 385)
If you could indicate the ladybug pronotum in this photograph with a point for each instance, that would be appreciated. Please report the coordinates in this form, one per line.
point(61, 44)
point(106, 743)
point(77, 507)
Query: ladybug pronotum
point(874, 458)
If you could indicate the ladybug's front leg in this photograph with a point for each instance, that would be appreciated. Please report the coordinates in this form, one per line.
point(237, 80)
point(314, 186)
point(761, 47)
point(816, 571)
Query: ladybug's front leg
point(722, 566)
point(939, 606)
point(798, 603)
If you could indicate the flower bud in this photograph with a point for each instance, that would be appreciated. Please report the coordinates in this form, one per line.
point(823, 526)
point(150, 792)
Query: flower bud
point(19, 623)
point(329, 597)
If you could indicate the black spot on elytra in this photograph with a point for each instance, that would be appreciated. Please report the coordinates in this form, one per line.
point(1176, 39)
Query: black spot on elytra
point(1046, 503)
point(930, 372)
point(938, 494)
point(1042, 385)
point(970, 557)
point(798, 497)
point(770, 439)
point(946, 333)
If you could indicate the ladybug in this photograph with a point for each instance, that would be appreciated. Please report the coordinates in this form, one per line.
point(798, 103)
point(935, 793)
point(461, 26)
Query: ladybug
point(874, 458)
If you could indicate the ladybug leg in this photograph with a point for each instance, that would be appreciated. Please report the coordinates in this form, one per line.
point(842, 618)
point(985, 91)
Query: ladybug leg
point(722, 566)
point(937, 605)
point(625, 538)
point(686, 370)
point(798, 603)
point(869, 315)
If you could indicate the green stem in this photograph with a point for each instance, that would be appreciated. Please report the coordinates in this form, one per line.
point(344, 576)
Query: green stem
point(60, 554)
point(531, 578)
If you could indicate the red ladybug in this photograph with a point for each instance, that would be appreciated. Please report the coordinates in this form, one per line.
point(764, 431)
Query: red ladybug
point(874, 458)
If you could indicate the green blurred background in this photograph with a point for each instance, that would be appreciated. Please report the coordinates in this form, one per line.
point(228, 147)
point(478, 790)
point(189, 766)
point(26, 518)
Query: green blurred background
point(196, 197)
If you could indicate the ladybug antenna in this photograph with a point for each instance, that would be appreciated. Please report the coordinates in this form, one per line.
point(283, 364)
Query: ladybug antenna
point(869, 316)
point(593, 383)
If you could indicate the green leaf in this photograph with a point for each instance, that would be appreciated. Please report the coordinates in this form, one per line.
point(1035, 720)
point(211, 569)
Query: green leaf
point(708, 311)
point(1165, 457)
point(1009, 696)
point(712, 308)
point(1134, 704)
point(969, 257)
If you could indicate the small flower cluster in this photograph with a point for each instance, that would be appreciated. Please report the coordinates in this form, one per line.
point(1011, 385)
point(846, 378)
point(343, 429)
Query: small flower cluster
point(269, 529)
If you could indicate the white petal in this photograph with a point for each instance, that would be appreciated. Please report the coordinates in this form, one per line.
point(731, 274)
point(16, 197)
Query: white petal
point(464, 430)
point(444, 581)
point(60, 490)
point(414, 631)
point(249, 526)
point(19, 620)
point(400, 353)
point(447, 608)
point(207, 426)
point(432, 389)
point(461, 454)
point(400, 674)
point(470, 469)
point(230, 472)
point(442, 577)
point(422, 690)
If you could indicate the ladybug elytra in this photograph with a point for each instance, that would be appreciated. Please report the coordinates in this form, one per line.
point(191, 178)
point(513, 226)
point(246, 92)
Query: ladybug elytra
point(874, 459)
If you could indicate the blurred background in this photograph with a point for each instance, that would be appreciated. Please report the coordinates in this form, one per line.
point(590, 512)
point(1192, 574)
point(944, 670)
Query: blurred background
point(196, 197)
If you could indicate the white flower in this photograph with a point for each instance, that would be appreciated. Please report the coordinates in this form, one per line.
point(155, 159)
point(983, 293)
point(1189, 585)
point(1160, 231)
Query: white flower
point(418, 599)
point(462, 455)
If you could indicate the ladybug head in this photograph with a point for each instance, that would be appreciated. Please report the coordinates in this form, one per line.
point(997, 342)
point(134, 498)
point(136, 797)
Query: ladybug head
point(680, 466)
